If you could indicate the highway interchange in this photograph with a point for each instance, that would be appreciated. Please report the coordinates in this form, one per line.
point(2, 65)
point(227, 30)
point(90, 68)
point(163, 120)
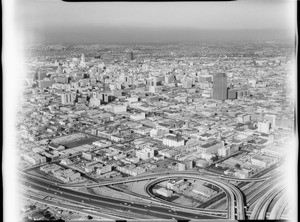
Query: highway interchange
point(154, 207)
point(106, 202)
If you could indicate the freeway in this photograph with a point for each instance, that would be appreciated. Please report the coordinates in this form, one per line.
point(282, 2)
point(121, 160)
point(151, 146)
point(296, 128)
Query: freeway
point(278, 208)
point(148, 186)
point(168, 204)
point(58, 202)
point(137, 195)
point(235, 197)
point(255, 194)
point(113, 203)
point(140, 178)
point(260, 209)
point(246, 179)
point(245, 186)
point(80, 209)
point(153, 199)
point(151, 176)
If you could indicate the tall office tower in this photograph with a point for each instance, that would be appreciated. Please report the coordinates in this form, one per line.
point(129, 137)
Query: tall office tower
point(129, 55)
point(82, 58)
point(220, 86)
point(41, 75)
point(67, 98)
point(82, 61)
point(153, 85)
point(153, 81)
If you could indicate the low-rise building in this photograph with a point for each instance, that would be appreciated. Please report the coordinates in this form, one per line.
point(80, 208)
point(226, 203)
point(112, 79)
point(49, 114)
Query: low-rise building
point(224, 151)
point(104, 169)
point(264, 126)
point(119, 109)
point(145, 153)
point(33, 158)
point(173, 140)
point(274, 150)
point(164, 192)
point(263, 161)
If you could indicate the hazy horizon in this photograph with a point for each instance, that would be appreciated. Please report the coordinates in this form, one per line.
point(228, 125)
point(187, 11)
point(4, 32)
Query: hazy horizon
point(54, 21)
point(140, 35)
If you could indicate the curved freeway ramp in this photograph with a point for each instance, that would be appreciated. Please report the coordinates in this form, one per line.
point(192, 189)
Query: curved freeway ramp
point(279, 208)
point(260, 209)
point(234, 195)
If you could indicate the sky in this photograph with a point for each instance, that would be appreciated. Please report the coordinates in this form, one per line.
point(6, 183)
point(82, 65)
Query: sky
point(55, 21)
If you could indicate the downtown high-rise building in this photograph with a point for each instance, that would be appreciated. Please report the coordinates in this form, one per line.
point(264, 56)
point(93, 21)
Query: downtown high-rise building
point(220, 86)
point(129, 55)
point(82, 59)
point(67, 98)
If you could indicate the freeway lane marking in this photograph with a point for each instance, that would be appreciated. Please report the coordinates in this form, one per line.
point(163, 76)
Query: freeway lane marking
point(110, 199)
point(68, 207)
point(156, 209)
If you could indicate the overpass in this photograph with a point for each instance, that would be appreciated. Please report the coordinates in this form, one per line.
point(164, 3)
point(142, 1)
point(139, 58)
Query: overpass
point(237, 211)
point(166, 204)
point(118, 204)
point(150, 176)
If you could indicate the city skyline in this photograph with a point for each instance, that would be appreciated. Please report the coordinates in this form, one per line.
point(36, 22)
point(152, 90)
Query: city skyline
point(173, 126)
